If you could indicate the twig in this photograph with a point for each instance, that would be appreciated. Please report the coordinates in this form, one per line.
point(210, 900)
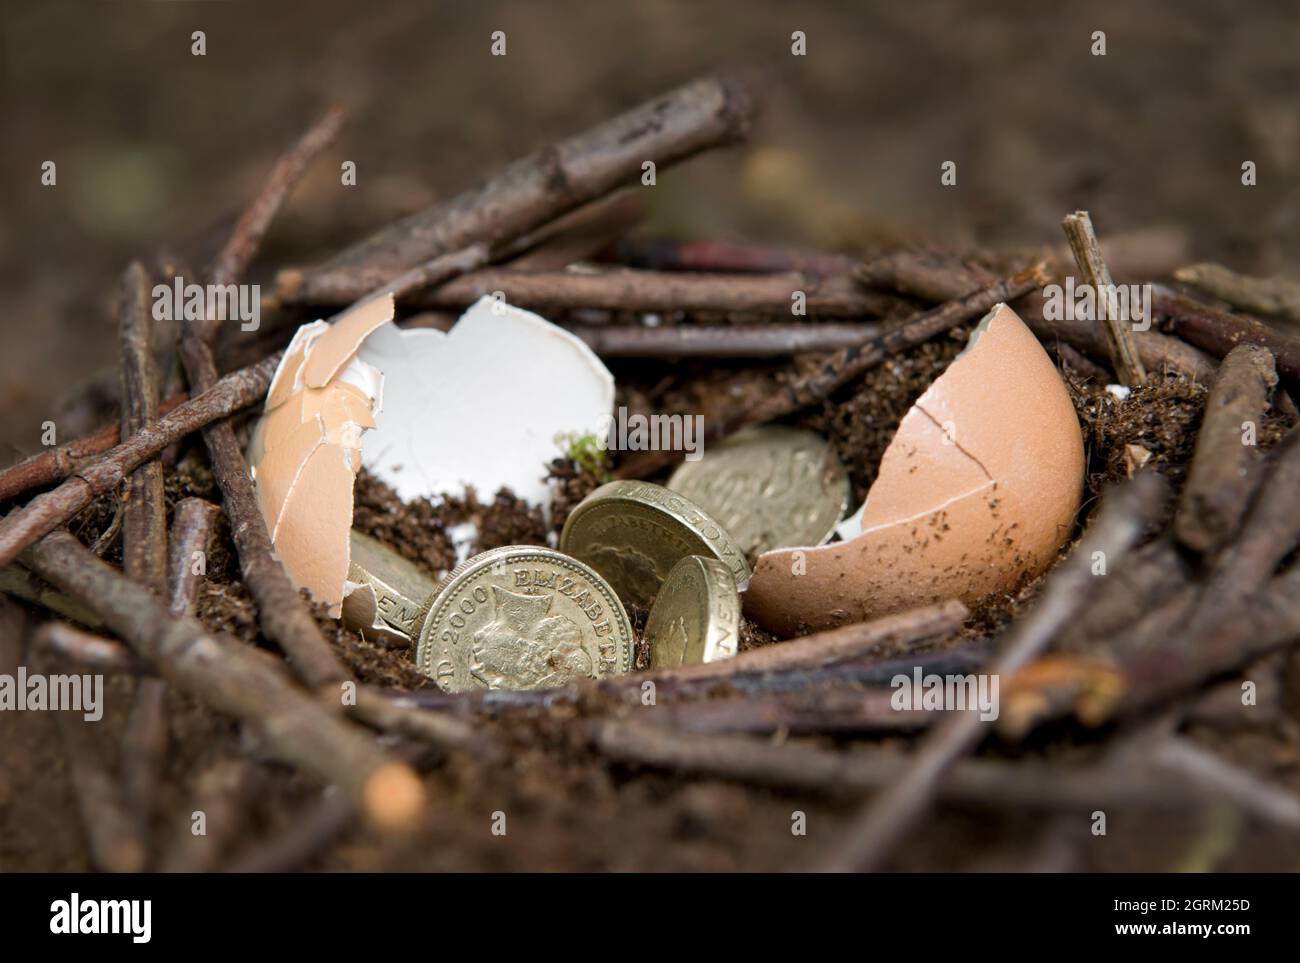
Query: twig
point(1119, 334)
point(617, 289)
point(728, 257)
point(92, 651)
point(20, 583)
point(392, 713)
point(826, 709)
point(722, 341)
point(798, 766)
point(1275, 296)
point(282, 613)
point(849, 363)
point(561, 177)
point(219, 794)
point(246, 236)
point(1268, 802)
point(58, 463)
point(228, 676)
point(1121, 521)
point(934, 276)
point(105, 472)
point(1270, 532)
point(1225, 470)
point(145, 741)
point(834, 645)
point(1218, 332)
point(144, 526)
point(115, 842)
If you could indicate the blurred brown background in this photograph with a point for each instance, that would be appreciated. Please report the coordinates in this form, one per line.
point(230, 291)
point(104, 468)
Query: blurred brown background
point(156, 147)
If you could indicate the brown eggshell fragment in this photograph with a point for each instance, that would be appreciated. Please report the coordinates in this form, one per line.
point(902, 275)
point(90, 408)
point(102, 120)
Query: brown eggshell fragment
point(977, 492)
point(306, 449)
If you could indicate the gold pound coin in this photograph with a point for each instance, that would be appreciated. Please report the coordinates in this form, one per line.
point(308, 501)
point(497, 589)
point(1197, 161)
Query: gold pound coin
point(696, 617)
point(633, 533)
point(402, 590)
point(770, 486)
point(523, 617)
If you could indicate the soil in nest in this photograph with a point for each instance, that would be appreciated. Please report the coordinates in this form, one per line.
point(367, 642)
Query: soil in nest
point(570, 808)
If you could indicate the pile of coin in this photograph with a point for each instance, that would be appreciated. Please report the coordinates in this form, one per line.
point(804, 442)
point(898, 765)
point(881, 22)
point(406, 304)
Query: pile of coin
point(526, 617)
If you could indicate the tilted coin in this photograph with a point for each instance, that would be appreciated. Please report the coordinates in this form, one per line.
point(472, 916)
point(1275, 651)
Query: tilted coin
point(523, 617)
point(696, 616)
point(770, 487)
point(633, 533)
point(402, 591)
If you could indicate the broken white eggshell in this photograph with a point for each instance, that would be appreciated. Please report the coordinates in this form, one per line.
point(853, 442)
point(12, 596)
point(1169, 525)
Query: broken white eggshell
point(480, 405)
point(977, 492)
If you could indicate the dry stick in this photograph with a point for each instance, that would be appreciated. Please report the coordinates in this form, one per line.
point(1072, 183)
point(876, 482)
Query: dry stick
point(628, 289)
point(556, 179)
point(827, 708)
point(807, 767)
point(1268, 802)
point(195, 521)
point(935, 276)
point(144, 542)
point(833, 645)
point(58, 463)
point(849, 363)
point(1123, 517)
point(1275, 296)
point(391, 713)
point(1218, 332)
point(231, 678)
point(728, 257)
point(92, 651)
point(145, 741)
point(722, 341)
point(282, 613)
point(144, 527)
point(1226, 468)
point(219, 795)
point(20, 583)
point(49, 510)
point(1270, 532)
point(1118, 332)
point(116, 845)
point(246, 236)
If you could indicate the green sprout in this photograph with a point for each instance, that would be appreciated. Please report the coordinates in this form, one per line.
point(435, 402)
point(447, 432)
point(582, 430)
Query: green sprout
point(585, 450)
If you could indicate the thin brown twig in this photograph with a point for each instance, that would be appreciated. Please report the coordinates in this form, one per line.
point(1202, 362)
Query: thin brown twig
point(231, 678)
point(722, 340)
point(1226, 467)
point(144, 526)
point(1274, 296)
point(1123, 518)
point(1118, 332)
point(246, 236)
point(93, 651)
point(105, 472)
point(553, 181)
point(622, 289)
point(1218, 332)
point(58, 463)
point(852, 362)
